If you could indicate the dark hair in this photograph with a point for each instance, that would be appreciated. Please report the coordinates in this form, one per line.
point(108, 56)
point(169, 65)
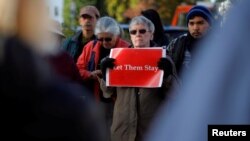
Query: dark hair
point(154, 17)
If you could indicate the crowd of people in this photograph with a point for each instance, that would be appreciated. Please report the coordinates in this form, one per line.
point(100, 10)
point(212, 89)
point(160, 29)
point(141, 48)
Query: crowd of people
point(54, 88)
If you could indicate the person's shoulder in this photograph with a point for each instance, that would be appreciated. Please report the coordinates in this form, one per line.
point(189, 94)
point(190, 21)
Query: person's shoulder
point(67, 42)
point(23, 49)
point(178, 40)
point(181, 37)
point(74, 38)
point(77, 36)
point(92, 45)
point(177, 43)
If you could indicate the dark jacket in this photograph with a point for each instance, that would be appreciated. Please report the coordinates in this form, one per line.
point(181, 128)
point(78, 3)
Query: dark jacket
point(37, 105)
point(64, 66)
point(177, 47)
point(74, 45)
point(162, 41)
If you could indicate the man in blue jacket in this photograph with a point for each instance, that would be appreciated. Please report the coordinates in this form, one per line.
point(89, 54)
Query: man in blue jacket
point(87, 20)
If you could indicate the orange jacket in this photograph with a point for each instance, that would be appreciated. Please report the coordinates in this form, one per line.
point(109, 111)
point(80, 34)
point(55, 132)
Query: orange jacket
point(88, 61)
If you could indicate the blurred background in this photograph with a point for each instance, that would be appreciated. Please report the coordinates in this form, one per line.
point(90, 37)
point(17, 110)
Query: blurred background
point(172, 12)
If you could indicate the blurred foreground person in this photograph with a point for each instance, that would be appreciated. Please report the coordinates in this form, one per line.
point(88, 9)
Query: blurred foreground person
point(135, 107)
point(223, 96)
point(60, 60)
point(182, 49)
point(87, 19)
point(159, 36)
point(35, 104)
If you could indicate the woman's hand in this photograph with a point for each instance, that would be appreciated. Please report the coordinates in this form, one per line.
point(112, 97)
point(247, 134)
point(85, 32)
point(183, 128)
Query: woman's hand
point(165, 65)
point(107, 63)
point(95, 74)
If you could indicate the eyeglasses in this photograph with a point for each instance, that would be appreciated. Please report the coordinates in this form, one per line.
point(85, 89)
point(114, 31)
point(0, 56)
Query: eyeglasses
point(105, 39)
point(141, 31)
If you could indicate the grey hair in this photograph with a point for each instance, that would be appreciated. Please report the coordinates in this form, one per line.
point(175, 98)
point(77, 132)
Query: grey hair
point(109, 25)
point(144, 21)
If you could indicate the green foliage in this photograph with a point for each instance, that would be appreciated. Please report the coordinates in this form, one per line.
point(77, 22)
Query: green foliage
point(112, 7)
point(67, 18)
point(117, 8)
point(166, 8)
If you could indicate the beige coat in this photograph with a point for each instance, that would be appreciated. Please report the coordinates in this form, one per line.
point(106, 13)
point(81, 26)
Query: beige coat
point(134, 109)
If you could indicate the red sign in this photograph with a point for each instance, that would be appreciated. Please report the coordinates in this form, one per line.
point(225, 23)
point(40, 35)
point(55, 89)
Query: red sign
point(136, 67)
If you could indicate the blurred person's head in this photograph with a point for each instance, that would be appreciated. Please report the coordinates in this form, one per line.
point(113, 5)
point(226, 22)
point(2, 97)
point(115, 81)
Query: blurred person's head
point(107, 31)
point(28, 20)
point(141, 31)
point(224, 8)
point(199, 21)
point(88, 17)
point(56, 30)
point(154, 17)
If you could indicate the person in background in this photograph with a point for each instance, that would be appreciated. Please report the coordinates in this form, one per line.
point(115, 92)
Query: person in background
point(87, 20)
point(181, 49)
point(108, 36)
point(159, 37)
point(35, 103)
point(135, 107)
point(60, 60)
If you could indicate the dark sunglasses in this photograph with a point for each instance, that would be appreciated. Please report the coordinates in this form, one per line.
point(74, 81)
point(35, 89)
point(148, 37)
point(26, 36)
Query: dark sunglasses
point(105, 39)
point(141, 31)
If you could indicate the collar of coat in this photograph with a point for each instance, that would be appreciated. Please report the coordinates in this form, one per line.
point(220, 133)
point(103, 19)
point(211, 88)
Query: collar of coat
point(152, 44)
point(78, 37)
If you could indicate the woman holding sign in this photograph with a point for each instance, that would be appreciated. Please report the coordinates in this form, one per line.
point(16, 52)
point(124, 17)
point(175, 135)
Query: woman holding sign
point(135, 107)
